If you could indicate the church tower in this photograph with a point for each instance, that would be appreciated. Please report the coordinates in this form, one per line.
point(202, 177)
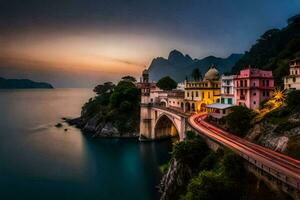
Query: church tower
point(145, 86)
point(145, 115)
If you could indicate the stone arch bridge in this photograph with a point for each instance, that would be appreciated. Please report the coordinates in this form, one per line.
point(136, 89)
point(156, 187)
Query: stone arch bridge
point(276, 170)
point(159, 122)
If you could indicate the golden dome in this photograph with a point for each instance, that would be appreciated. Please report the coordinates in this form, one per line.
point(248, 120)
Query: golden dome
point(212, 74)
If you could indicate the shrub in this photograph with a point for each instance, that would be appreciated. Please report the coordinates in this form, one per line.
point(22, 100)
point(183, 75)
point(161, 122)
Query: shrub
point(233, 165)
point(239, 121)
point(186, 151)
point(190, 135)
point(207, 185)
point(209, 161)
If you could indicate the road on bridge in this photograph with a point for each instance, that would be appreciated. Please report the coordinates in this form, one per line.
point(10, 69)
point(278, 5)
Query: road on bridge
point(282, 164)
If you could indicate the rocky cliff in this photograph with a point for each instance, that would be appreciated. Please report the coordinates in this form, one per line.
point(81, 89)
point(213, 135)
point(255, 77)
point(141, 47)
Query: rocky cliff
point(175, 180)
point(279, 131)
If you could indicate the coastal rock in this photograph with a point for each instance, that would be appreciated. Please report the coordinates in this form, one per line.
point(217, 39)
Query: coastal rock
point(91, 124)
point(109, 130)
point(78, 122)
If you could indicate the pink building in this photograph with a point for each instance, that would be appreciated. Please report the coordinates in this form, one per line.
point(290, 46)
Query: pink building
point(252, 86)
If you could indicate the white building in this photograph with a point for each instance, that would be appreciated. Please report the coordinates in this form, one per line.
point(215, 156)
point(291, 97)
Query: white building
point(227, 90)
point(180, 86)
point(292, 81)
point(218, 110)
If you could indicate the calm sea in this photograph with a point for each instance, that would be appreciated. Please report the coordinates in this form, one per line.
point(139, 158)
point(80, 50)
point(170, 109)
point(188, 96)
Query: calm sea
point(40, 161)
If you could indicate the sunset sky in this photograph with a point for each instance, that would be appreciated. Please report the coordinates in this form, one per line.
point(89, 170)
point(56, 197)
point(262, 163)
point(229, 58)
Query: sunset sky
point(73, 43)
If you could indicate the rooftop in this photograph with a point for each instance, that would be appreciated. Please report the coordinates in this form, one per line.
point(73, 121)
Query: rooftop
point(220, 106)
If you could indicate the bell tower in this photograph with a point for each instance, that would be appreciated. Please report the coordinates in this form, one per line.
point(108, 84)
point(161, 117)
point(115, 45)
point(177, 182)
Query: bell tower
point(145, 87)
point(145, 115)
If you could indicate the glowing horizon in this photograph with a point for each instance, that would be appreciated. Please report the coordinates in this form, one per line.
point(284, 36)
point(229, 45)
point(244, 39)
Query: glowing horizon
point(94, 41)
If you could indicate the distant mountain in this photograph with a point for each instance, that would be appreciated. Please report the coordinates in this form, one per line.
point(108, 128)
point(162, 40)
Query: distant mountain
point(22, 84)
point(273, 50)
point(179, 66)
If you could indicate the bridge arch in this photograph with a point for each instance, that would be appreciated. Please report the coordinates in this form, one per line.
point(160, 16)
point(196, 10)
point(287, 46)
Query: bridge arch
point(163, 102)
point(165, 127)
point(187, 107)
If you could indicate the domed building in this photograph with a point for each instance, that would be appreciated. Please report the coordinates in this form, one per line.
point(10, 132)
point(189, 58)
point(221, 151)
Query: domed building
point(198, 94)
point(212, 74)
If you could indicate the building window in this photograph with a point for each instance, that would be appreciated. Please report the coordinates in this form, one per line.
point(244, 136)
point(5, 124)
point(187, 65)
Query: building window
point(267, 82)
point(208, 94)
point(267, 93)
point(187, 94)
point(222, 100)
point(254, 84)
point(263, 82)
point(254, 102)
point(197, 94)
point(254, 93)
point(202, 95)
point(229, 101)
point(294, 79)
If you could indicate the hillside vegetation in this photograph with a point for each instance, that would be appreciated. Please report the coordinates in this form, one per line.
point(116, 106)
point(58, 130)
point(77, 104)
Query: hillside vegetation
point(114, 111)
point(273, 50)
point(196, 172)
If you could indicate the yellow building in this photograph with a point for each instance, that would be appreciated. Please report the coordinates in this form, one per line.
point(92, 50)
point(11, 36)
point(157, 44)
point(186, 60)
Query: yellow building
point(198, 94)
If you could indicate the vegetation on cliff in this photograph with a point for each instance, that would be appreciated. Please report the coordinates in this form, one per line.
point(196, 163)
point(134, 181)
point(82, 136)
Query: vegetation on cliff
point(114, 107)
point(280, 128)
point(209, 175)
point(273, 50)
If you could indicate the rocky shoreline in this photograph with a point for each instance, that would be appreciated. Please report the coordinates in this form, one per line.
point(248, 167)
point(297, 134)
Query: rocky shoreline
point(95, 129)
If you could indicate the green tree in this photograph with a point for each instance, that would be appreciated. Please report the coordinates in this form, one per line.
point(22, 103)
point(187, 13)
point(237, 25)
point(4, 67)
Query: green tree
point(129, 79)
point(166, 83)
point(196, 74)
point(187, 150)
point(239, 120)
point(106, 87)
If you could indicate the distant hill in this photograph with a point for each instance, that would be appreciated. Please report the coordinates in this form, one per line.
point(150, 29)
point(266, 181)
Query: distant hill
point(180, 66)
point(22, 84)
point(274, 49)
